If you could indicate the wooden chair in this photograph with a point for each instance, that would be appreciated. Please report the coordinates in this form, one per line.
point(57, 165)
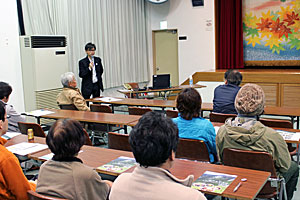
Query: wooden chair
point(100, 108)
point(262, 161)
point(278, 123)
point(134, 86)
point(192, 149)
point(138, 111)
point(220, 117)
point(87, 138)
point(67, 107)
point(37, 129)
point(32, 195)
point(118, 141)
point(172, 113)
point(102, 128)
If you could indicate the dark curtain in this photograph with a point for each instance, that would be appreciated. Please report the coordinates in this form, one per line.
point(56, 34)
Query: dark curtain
point(229, 34)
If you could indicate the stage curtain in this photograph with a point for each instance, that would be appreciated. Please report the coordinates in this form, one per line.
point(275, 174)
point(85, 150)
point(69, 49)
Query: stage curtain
point(229, 34)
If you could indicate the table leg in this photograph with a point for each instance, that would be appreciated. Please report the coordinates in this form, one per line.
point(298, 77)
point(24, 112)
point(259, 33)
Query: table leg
point(38, 119)
point(125, 129)
point(298, 154)
point(297, 122)
point(112, 108)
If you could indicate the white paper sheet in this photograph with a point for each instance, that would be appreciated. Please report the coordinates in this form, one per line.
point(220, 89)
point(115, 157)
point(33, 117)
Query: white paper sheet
point(289, 135)
point(108, 99)
point(38, 113)
point(9, 135)
point(25, 148)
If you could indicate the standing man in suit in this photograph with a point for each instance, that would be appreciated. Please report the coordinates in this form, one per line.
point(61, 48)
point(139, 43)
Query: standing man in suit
point(91, 70)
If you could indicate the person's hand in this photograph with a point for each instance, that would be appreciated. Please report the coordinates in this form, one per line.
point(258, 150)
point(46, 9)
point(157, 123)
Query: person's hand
point(91, 65)
point(108, 183)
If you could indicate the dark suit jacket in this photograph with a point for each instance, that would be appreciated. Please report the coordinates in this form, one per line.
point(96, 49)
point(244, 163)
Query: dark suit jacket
point(86, 74)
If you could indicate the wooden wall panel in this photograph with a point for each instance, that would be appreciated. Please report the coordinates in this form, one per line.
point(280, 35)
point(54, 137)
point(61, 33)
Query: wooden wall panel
point(290, 95)
point(282, 87)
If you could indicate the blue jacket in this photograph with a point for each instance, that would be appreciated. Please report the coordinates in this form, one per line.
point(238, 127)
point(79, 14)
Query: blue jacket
point(224, 97)
point(199, 129)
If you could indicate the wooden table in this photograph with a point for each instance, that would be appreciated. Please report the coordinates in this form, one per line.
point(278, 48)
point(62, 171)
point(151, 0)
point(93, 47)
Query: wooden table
point(166, 91)
point(95, 157)
point(146, 102)
point(93, 117)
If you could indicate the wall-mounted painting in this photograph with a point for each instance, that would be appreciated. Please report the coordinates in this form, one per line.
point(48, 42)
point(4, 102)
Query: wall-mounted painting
point(271, 32)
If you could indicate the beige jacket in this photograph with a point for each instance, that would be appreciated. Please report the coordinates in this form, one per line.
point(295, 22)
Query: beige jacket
point(153, 183)
point(253, 135)
point(72, 96)
point(71, 180)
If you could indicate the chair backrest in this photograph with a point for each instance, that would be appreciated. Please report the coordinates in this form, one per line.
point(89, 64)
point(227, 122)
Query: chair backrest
point(192, 149)
point(220, 117)
point(87, 138)
point(67, 107)
point(118, 141)
point(37, 129)
point(32, 195)
point(277, 123)
point(262, 161)
point(100, 108)
point(134, 86)
point(172, 113)
point(138, 111)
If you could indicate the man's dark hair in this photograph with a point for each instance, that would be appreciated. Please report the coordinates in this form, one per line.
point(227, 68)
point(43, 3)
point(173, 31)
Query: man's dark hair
point(188, 103)
point(5, 90)
point(233, 77)
point(2, 111)
point(153, 139)
point(65, 138)
point(89, 46)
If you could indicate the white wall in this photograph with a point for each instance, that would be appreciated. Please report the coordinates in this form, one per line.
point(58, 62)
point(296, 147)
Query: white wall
point(197, 53)
point(10, 61)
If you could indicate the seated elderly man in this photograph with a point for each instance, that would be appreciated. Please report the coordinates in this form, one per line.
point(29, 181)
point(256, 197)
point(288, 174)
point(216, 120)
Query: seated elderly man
point(246, 133)
point(71, 94)
point(13, 116)
point(224, 95)
point(154, 142)
point(13, 183)
point(65, 176)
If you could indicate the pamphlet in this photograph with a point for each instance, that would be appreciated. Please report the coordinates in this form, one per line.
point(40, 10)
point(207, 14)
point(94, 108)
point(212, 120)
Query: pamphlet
point(289, 135)
point(213, 182)
point(38, 113)
point(118, 165)
point(9, 135)
point(25, 148)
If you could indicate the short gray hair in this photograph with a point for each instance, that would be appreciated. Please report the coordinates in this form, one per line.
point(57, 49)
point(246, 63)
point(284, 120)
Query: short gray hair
point(66, 78)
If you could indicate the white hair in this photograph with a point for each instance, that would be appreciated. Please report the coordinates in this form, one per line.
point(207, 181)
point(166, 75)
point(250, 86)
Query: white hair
point(66, 78)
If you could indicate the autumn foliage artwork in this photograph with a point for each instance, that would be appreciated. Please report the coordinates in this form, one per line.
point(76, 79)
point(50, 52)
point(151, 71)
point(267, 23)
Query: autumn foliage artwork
point(271, 30)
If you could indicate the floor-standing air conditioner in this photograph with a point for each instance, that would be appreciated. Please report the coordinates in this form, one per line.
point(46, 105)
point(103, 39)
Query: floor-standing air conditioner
point(44, 59)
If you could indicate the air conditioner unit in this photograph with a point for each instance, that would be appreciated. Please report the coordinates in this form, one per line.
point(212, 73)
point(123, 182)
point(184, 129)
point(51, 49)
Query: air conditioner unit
point(44, 59)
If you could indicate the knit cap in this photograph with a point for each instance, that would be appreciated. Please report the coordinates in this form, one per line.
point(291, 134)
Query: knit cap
point(250, 100)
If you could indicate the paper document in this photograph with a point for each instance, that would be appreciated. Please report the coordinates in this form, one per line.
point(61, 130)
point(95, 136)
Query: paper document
point(9, 135)
point(108, 99)
point(213, 182)
point(26, 148)
point(289, 135)
point(38, 113)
